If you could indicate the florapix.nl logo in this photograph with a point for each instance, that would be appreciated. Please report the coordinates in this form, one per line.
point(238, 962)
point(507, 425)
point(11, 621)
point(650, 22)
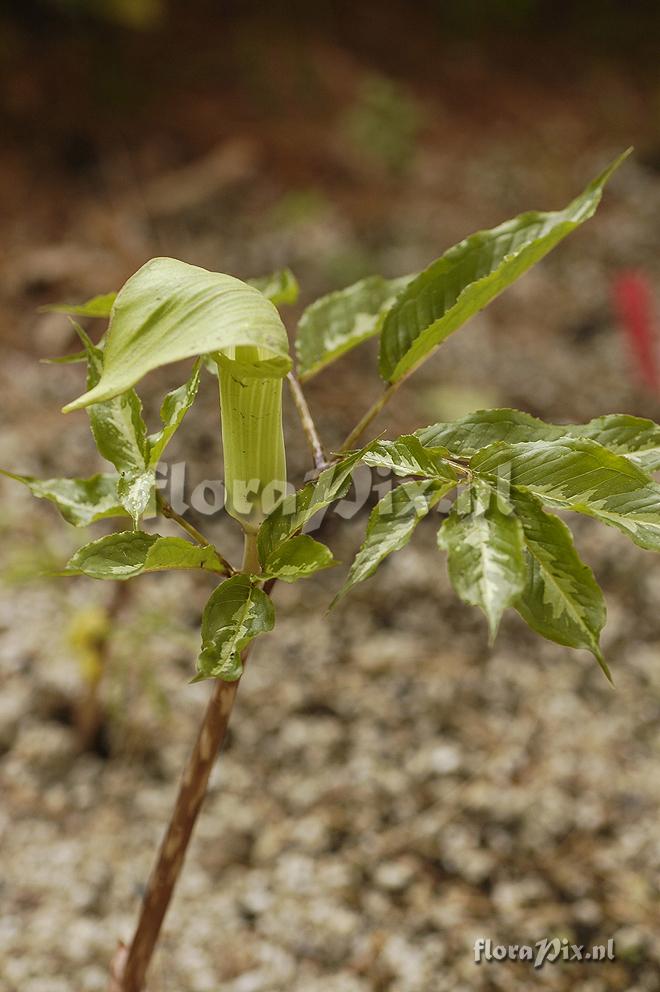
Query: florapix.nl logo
point(208, 497)
point(546, 951)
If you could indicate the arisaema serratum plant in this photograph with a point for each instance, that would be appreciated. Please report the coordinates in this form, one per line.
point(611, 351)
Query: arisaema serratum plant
point(509, 471)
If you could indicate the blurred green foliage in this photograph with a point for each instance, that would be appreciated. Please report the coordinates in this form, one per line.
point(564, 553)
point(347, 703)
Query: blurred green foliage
point(383, 123)
point(297, 207)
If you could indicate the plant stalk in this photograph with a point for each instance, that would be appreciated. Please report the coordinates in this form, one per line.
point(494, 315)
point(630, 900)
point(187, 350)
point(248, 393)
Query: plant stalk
point(251, 563)
point(370, 415)
point(308, 425)
point(130, 965)
point(170, 513)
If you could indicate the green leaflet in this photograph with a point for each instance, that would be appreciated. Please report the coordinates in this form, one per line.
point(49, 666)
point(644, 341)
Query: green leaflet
point(469, 434)
point(636, 438)
point(117, 425)
point(485, 554)
point(335, 323)
point(468, 276)
point(174, 408)
point(297, 558)
point(169, 311)
point(280, 287)
point(130, 553)
point(80, 501)
point(561, 599)
point(581, 475)
point(298, 508)
point(120, 435)
point(391, 525)
point(135, 493)
point(136, 486)
point(75, 358)
point(407, 456)
point(98, 306)
point(236, 613)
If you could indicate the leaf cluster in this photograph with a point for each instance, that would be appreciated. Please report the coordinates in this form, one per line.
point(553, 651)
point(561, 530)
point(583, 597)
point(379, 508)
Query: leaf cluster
point(498, 474)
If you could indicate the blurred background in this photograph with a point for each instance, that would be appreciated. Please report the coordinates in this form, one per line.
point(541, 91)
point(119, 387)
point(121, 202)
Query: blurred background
point(393, 789)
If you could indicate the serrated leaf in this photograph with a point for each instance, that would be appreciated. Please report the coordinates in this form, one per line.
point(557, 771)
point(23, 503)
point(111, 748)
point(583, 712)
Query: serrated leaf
point(561, 599)
point(392, 523)
point(236, 613)
point(636, 438)
point(298, 558)
point(169, 311)
point(298, 508)
point(280, 287)
point(579, 474)
point(485, 555)
point(468, 276)
point(407, 456)
point(80, 501)
point(484, 427)
point(174, 408)
point(129, 553)
point(117, 425)
point(120, 435)
point(98, 306)
point(335, 323)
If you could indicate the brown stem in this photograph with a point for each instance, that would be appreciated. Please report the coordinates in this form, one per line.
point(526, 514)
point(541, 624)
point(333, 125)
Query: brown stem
point(308, 425)
point(130, 965)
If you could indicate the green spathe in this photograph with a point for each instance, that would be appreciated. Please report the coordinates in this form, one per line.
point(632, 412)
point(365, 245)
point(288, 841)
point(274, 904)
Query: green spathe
point(252, 437)
point(170, 310)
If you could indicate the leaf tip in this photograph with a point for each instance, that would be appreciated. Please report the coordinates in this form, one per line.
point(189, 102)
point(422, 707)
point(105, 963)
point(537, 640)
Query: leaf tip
point(493, 629)
point(605, 668)
point(606, 174)
point(335, 601)
point(81, 402)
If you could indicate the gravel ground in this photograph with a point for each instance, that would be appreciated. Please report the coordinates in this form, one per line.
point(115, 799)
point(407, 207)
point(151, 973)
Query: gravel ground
point(392, 788)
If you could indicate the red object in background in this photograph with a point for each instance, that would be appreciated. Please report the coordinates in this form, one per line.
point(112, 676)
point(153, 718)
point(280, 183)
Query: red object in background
point(632, 300)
